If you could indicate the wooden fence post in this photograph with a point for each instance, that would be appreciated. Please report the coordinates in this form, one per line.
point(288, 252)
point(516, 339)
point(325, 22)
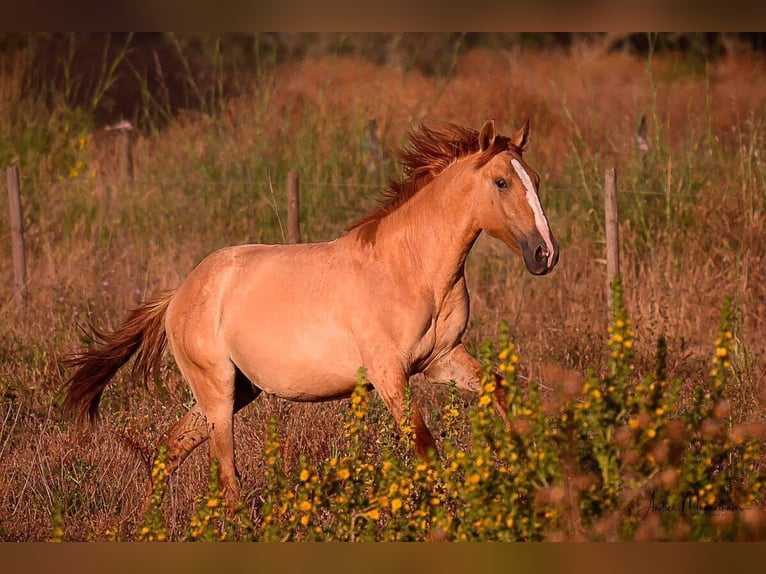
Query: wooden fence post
point(612, 231)
point(293, 208)
point(17, 238)
point(126, 135)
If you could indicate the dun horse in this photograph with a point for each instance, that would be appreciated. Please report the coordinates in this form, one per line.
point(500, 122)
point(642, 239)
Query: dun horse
point(298, 321)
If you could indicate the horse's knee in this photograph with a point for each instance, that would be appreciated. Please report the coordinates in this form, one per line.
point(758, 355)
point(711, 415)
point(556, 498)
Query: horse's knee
point(473, 385)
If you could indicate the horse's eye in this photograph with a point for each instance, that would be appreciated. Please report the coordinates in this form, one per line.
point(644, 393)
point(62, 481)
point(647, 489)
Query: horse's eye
point(501, 183)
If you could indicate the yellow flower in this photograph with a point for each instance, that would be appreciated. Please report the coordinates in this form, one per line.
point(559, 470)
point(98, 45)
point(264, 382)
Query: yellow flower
point(304, 476)
point(344, 473)
point(212, 503)
point(484, 400)
point(651, 433)
point(304, 506)
point(373, 514)
point(396, 504)
point(721, 352)
point(305, 520)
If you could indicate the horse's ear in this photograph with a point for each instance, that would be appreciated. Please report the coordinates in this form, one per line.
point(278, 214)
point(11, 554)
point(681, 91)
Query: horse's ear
point(487, 135)
point(521, 139)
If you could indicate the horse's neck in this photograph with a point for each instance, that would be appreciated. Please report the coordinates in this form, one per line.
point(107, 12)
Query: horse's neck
point(433, 231)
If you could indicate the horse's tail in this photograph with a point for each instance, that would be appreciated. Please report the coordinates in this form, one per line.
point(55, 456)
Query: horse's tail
point(142, 334)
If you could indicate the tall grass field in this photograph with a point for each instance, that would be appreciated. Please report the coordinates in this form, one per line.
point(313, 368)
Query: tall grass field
point(646, 421)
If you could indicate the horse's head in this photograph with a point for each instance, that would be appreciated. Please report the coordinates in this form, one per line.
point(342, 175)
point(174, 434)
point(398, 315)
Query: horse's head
point(508, 205)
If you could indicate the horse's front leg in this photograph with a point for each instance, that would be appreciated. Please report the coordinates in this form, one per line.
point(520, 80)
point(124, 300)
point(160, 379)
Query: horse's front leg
point(391, 383)
point(459, 366)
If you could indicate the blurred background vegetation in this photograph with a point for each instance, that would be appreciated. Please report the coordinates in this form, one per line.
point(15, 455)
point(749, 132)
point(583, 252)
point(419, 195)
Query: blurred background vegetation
point(128, 76)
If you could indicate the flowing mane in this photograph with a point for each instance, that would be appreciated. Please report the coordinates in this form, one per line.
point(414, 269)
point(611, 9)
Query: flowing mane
point(432, 147)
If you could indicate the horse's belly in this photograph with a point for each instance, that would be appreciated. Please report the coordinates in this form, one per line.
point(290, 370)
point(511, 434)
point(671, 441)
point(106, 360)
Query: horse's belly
point(308, 387)
point(300, 366)
point(300, 382)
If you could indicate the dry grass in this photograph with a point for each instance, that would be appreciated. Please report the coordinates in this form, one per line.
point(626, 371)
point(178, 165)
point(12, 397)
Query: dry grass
point(692, 233)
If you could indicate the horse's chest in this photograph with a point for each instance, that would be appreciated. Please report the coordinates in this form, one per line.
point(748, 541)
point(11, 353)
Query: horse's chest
point(441, 333)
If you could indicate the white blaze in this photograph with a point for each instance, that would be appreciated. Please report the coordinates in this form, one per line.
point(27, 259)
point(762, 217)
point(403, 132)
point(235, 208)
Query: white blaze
point(541, 222)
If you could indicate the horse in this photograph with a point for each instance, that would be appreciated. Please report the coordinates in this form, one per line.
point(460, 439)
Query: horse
point(299, 320)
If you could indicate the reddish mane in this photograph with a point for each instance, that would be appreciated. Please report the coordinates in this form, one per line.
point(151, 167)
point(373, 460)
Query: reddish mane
point(432, 148)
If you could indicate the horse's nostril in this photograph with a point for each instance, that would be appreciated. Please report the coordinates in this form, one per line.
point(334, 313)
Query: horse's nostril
point(541, 253)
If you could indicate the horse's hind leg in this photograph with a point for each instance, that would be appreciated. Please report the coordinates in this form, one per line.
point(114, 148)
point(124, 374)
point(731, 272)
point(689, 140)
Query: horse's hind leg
point(191, 429)
point(220, 390)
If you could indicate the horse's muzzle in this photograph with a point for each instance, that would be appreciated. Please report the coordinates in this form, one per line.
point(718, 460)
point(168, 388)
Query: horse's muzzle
point(540, 259)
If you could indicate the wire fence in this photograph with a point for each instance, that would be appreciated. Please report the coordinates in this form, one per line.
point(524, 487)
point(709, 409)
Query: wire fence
point(223, 183)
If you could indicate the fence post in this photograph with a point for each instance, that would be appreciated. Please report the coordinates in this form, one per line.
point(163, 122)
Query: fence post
point(17, 238)
point(126, 137)
point(612, 231)
point(293, 208)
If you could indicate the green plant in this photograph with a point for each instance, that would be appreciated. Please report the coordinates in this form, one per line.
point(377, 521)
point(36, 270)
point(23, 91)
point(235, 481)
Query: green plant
point(153, 528)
